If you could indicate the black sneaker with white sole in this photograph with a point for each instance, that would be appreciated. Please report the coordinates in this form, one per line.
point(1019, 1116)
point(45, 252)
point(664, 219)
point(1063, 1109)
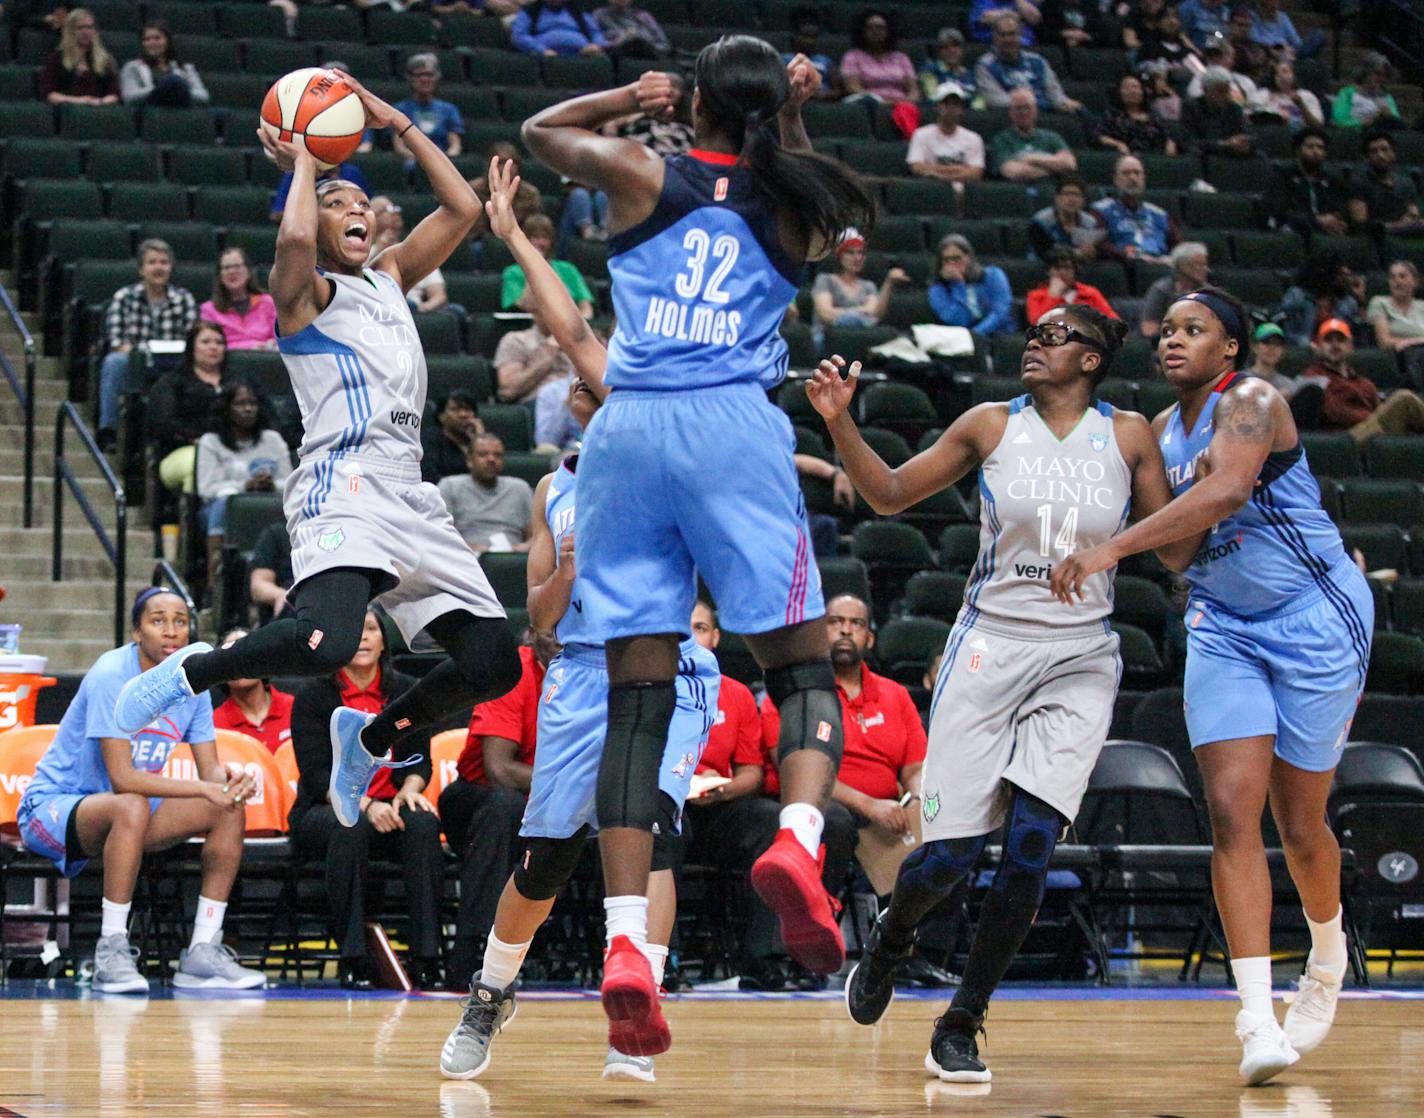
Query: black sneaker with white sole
point(954, 1049)
point(870, 986)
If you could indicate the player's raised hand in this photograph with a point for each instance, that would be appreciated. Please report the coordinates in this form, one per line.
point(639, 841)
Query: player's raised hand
point(829, 392)
point(658, 94)
point(379, 113)
point(805, 82)
point(1069, 574)
point(503, 188)
point(281, 152)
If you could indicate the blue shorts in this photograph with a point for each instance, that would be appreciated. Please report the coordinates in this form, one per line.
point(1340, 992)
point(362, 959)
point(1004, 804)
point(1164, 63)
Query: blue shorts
point(1297, 675)
point(673, 485)
point(573, 721)
point(44, 826)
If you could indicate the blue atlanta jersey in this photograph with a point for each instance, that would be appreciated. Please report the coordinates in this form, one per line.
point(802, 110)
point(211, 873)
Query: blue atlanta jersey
point(573, 627)
point(1277, 547)
point(701, 286)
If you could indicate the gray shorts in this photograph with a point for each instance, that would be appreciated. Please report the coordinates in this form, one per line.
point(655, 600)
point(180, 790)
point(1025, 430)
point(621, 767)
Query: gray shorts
point(1014, 706)
point(379, 515)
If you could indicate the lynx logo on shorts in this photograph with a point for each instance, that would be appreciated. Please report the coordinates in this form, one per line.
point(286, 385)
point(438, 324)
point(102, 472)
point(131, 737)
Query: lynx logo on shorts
point(330, 541)
point(1098, 441)
point(823, 732)
point(930, 806)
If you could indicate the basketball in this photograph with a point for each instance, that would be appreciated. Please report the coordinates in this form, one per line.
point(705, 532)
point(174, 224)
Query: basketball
point(315, 107)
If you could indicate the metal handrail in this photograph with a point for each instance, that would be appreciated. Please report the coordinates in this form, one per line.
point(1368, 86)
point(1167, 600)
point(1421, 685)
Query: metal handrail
point(117, 551)
point(26, 395)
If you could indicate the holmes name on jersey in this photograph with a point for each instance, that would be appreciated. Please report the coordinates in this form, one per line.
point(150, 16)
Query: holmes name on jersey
point(1061, 478)
point(697, 323)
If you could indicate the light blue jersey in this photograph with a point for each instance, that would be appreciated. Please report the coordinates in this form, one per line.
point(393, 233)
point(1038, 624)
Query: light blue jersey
point(701, 286)
point(574, 627)
point(73, 765)
point(1279, 620)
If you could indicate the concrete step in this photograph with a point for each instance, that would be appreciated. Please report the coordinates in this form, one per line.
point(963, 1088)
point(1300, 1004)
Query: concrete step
point(83, 567)
point(40, 595)
point(93, 486)
point(12, 458)
point(79, 542)
point(83, 624)
point(73, 654)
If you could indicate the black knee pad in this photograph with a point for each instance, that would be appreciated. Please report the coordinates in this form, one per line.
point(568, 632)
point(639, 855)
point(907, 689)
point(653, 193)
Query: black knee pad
point(1030, 836)
point(805, 697)
point(940, 864)
point(639, 715)
point(669, 841)
point(546, 865)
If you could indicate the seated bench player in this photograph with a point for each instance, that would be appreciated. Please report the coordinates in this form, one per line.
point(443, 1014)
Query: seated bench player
point(98, 791)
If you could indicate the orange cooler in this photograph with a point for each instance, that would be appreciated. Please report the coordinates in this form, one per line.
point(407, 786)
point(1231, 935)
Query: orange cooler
point(21, 678)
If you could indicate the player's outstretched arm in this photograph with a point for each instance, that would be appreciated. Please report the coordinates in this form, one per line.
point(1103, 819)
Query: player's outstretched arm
point(1150, 491)
point(293, 280)
point(561, 314)
point(1246, 428)
point(565, 137)
point(550, 572)
point(431, 242)
point(887, 490)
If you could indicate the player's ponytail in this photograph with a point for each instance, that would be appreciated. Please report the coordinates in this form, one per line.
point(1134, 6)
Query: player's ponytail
point(743, 84)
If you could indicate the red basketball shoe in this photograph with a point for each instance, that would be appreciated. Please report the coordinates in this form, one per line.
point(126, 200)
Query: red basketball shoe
point(630, 998)
point(789, 882)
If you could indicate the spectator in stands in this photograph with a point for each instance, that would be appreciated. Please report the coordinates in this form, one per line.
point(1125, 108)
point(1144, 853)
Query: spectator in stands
point(241, 454)
point(1189, 272)
point(825, 528)
point(554, 27)
point(947, 65)
point(1398, 319)
point(526, 360)
point(158, 76)
point(1201, 19)
point(1244, 90)
point(583, 216)
point(270, 571)
point(348, 171)
point(142, 312)
point(969, 294)
point(1281, 96)
point(1267, 349)
point(844, 297)
point(100, 791)
point(1137, 229)
point(1352, 402)
point(805, 39)
point(1007, 67)
point(1139, 23)
point(1247, 56)
point(540, 231)
point(1383, 200)
point(445, 444)
point(1024, 152)
point(874, 67)
point(1170, 45)
point(1306, 197)
point(984, 13)
point(481, 809)
point(1325, 287)
point(439, 120)
point(81, 71)
point(181, 402)
point(527, 201)
point(1214, 121)
point(1162, 99)
point(246, 313)
point(1074, 23)
point(254, 707)
point(397, 823)
point(1062, 287)
point(430, 294)
point(1273, 29)
point(632, 32)
point(1366, 103)
point(1131, 125)
point(1067, 223)
point(491, 511)
point(945, 149)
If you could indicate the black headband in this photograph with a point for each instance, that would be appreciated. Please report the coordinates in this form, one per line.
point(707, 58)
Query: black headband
point(143, 598)
point(1229, 316)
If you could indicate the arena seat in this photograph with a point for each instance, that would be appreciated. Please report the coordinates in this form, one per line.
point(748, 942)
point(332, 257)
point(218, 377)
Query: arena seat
point(1281, 249)
point(470, 30)
point(958, 547)
point(323, 24)
point(1382, 501)
point(409, 29)
point(1407, 606)
point(20, 751)
point(125, 162)
point(445, 750)
point(506, 573)
point(901, 408)
point(1395, 456)
point(936, 594)
point(252, 21)
point(1331, 454)
point(1396, 664)
point(905, 646)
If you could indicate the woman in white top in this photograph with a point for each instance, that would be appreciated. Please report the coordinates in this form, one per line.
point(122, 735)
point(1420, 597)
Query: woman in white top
point(1398, 319)
point(241, 454)
point(1280, 95)
point(157, 77)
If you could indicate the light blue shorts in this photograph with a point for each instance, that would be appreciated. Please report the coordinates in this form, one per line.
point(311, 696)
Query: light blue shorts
point(44, 823)
point(673, 485)
point(573, 721)
point(1297, 675)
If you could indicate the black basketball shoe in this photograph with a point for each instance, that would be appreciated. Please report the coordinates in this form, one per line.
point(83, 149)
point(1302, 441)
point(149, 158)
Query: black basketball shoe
point(870, 986)
point(954, 1049)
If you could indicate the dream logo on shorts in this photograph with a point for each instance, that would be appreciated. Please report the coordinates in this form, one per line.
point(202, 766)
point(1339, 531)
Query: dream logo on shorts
point(975, 661)
point(719, 192)
point(330, 541)
point(823, 732)
point(930, 806)
point(315, 639)
point(1098, 441)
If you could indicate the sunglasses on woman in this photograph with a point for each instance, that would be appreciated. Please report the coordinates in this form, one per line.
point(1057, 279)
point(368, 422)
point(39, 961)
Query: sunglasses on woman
point(1054, 334)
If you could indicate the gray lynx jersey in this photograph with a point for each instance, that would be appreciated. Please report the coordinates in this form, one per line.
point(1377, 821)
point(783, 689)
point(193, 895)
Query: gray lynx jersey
point(359, 373)
point(1043, 499)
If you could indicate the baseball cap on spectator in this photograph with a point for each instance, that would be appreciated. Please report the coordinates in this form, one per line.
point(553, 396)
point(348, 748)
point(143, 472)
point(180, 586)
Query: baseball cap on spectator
point(1334, 326)
point(850, 239)
point(1269, 331)
point(949, 89)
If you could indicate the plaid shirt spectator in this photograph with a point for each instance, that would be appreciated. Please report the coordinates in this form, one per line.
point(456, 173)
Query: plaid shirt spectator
point(131, 319)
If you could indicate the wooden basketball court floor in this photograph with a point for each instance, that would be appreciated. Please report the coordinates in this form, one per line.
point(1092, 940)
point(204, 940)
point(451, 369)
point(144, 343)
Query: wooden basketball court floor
point(1068, 1053)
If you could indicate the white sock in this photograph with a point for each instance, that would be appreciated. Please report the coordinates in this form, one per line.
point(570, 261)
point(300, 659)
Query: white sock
point(806, 823)
point(1253, 984)
point(207, 925)
point(115, 919)
point(657, 954)
point(502, 962)
point(1327, 943)
point(627, 916)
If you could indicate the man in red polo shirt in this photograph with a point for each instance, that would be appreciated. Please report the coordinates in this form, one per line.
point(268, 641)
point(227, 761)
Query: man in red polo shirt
point(481, 809)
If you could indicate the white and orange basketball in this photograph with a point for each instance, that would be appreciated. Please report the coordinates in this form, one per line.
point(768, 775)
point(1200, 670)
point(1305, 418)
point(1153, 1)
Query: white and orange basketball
point(315, 108)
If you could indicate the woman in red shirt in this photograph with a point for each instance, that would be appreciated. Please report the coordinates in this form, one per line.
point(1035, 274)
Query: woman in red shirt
point(254, 707)
point(1062, 288)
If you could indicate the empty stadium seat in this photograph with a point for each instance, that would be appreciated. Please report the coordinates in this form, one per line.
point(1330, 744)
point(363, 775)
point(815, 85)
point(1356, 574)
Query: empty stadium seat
point(1383, 545)
point(1395, 456)
point(958, 547)
point(1396, 664)
point(1330, 454)
point(1407, 606)
point(506, 573)
point(843, 574)
point(901, 408)
point(1382, 501)
point(937, 594)
point(905, 646)
point(512, 423)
